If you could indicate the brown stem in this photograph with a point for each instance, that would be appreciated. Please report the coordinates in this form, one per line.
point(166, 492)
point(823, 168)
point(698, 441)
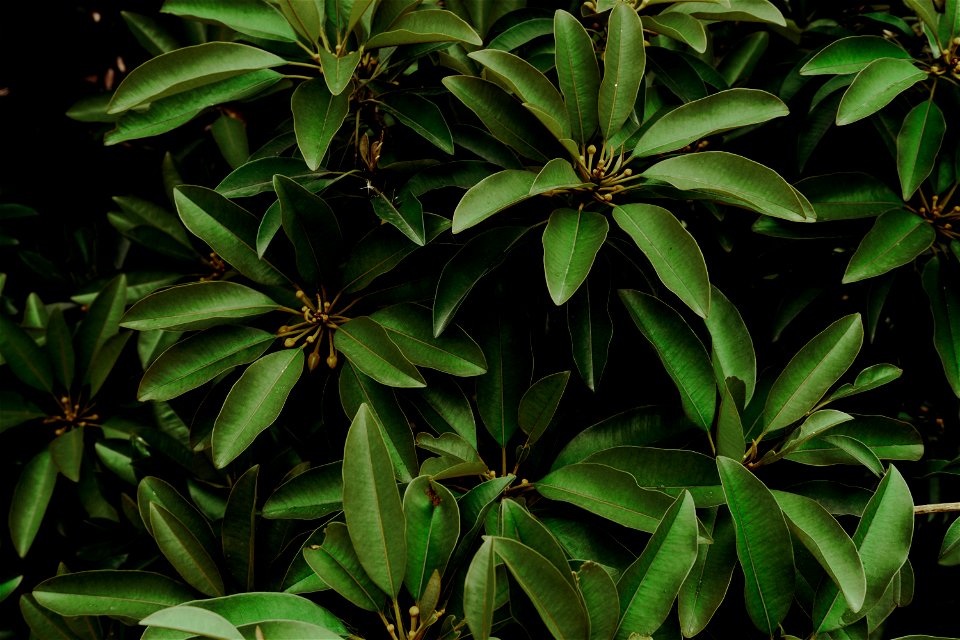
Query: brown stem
point(941, 507)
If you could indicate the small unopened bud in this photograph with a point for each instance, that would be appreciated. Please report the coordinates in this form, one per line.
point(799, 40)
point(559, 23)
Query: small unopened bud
point(313, 361)
point(332, 361)
point(289, 342)
point(592, 149)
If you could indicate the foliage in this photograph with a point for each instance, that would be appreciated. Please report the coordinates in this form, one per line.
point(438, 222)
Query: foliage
point(474, 319)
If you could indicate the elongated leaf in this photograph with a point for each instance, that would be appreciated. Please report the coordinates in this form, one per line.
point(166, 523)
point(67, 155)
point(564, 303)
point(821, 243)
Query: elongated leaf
point(599, 593)
point(678, 26)
point(479, 591)
point(197, 305)
point(897, 237)
point(851, 55)
point(193, 620)
point(671, 250)
point(418, 27)
point(154, 38)
point(238, 531)
point(371, 504)
point(313, 229)
point(812, 371)
point(887, 438)
point(432, 528)
point(309, 495)
point(256, 176)
point(591, 329)
point(423, 117)
point(153, 490)
point(649, 586)
point(338, 70)
point(410, 327)
point(492, 195)
point(703, 591)
point(857, 451)
point(918, 144)
point(60, 348)
point(579, 75)
point(130, 594)
point(369, 348)
point(44, 623)
point(201, 358)
point(16, 410)
point(406, 215)
point(30, 498)
point(556, 175)
point(680, 351)
point(254, 403)
point(474, 506)
point(337, 564)
point(623, 63)
point(509, 367)
point(941, 286)
point(607, 492)
point(731, 346)
point(708, 116)
point(571, 241)
point(950, 548)
point(736, 180)
point(101, 322)
point(256, 18)
point(671, 471)
point(743, 10)
point(870, 378)
point(445, 407)
point(27, 361)
point(875, 86)
point(67, 453)
point(539, 404)
point(230, 230)
point(185, 552)
point(317, 116)
point(519, 524)
point(763, 545)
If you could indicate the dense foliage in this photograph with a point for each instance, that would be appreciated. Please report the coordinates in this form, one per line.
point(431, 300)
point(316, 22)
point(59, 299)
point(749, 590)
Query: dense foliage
point(475, 318)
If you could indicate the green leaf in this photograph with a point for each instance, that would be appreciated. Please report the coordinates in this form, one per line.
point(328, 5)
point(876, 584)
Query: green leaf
point(897, 237)
point(842, 196)
point(337, 564)
point(812, 371)
point(680, 351)
point(539, 404)
point(480, 255)
point(100, 323)
point(306, 17)
point(67, 453)
point(870, 378)
point(918, 144)
point(310, 495)
point(708, 116)
point(446, 409)
point(188, 68)
point(193, 620)
point(851, 55)
point(942, 288)
point(623, 61)
point(418, 27)
point(949, 23)
point(518, 523)
point(649, 586)
point(671, 250)
point(763, 545)
point(238, 530)
point(313, 230)
point(671, 471)
point(823, 537)
point(368, 347)
point(591, 329)
point(507, 348)
point(410, 327)
point(229, 229)
point(127, 594)
point(703, 591)
point(422, 116)
point(522, 33)
point(816, 424)
point(680, 27)
point(731, 345)
point(571, 241)
point(479, 591)
point(338, 70)
point(371, 504)
point(185, 552)
point(197, 305)
point(153, 490)
point(154, 38)
point(406, 215)
point(856, 450)
point(883, 540)
point(432, 528)
point(31, 495)
point(579, 75)
point(875, 86)
point(607, 492)
point(200, 358)
point(288, 630)
point(256, 176)
point(255, 18)
point(16, 410)
point(492, 195)
point(887, 438)
point(44, 623)
point(317, 116)
point(27, 361)
point(503, 116)
point(60, 348)
point(950, 548)
point(741, 10)
point(599, 593)
point(735, 180)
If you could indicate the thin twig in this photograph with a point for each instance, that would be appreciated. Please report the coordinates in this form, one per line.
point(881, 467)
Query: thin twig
point(941, 507)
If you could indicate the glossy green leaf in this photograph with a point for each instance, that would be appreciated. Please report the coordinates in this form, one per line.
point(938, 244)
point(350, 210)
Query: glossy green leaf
point(317, 116)
point(371, 504)
point(950, 548)
point(649, 586)
point(288, 630)
point(185, 552)
point(607, 492)
point(193, 620)
point(423, 117)
point(479, 591)
point(623, 63)
point(458, 457)
point(238, 530)
point(671, 471)
point(256, 176)
point(856, 450)
point(599, 593)
point(851, 55)
point(812, 371)
point(256, 18)
point(128, 594)
point(445, 407)
point(571, 241)
point(736, 180)
point(897, 237)
point(680, 351)
point(153, 490)
point(742, 10)
point(16, 410)
point(522, 33)
point(432, 527)
point(823, 537)
point(60, 348)
point(870, 378)
point(539, 404)
point(474, 506)
point(678, 26)
point(492, 195)
point(154, 38)
point(941, 286)
point(254, 403)
point(44, 623)
point(705, 587)
point(480, 255)
point(763, 545)
point(410, 327)
point(31, 495)
point(310, 495)
point(591, 329)
point(842, 196)
point(918, 143)
point(406, 215)
point(67, 452)
point(518, 523)
point(579, 75)
point(197, 305)
point(338, 70)
point(229, 229)
point(188, 68)
point(313, 229)
point(27, 361)
point(887, 438)
point(671, 250)
point(875, 86)
point(368, 347)
point(101, 322)
point(509, 367)
point(380, 251)
point(337, 564)
point(731, 345)
point(708, 116)
point(418, 27)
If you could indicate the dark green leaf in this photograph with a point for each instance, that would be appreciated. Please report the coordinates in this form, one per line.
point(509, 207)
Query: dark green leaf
point(731, 344)
point(950, 548)
point(509, 367)
point(256, 18)
point(422, 116)
point(875, 86)
point(60, 348)
point(67, 452)
point(338, 70)
point(31, 495)
point(599, 593)
point(889, 439)
point(317, 116)
point(479, 591)
point(418, 27)
point(623, 62)
point(703, 591)
point(432, 528)
point(15, 410)
point(492, 195)
point(897, 237)
point(591, 329)
point(193, 620)
point(842, 196)
point(410, 327)
point(406, 215)
point(257, 176)
point(851, 55)
point(942, 287)
point(446, 409)
point(337, 564)
point(918, 144)
point(197, 305)
point(128, 594)
point(27, 361)
point(571, 241)
point(369, 348)
point(310, 495)
point(870, 378)
point(539, 404)
point(238, 531)
point(313, 229)
point(678, 26)
point(671, 471)
point(579, 75)
point(44, 623)
point(185, 552)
